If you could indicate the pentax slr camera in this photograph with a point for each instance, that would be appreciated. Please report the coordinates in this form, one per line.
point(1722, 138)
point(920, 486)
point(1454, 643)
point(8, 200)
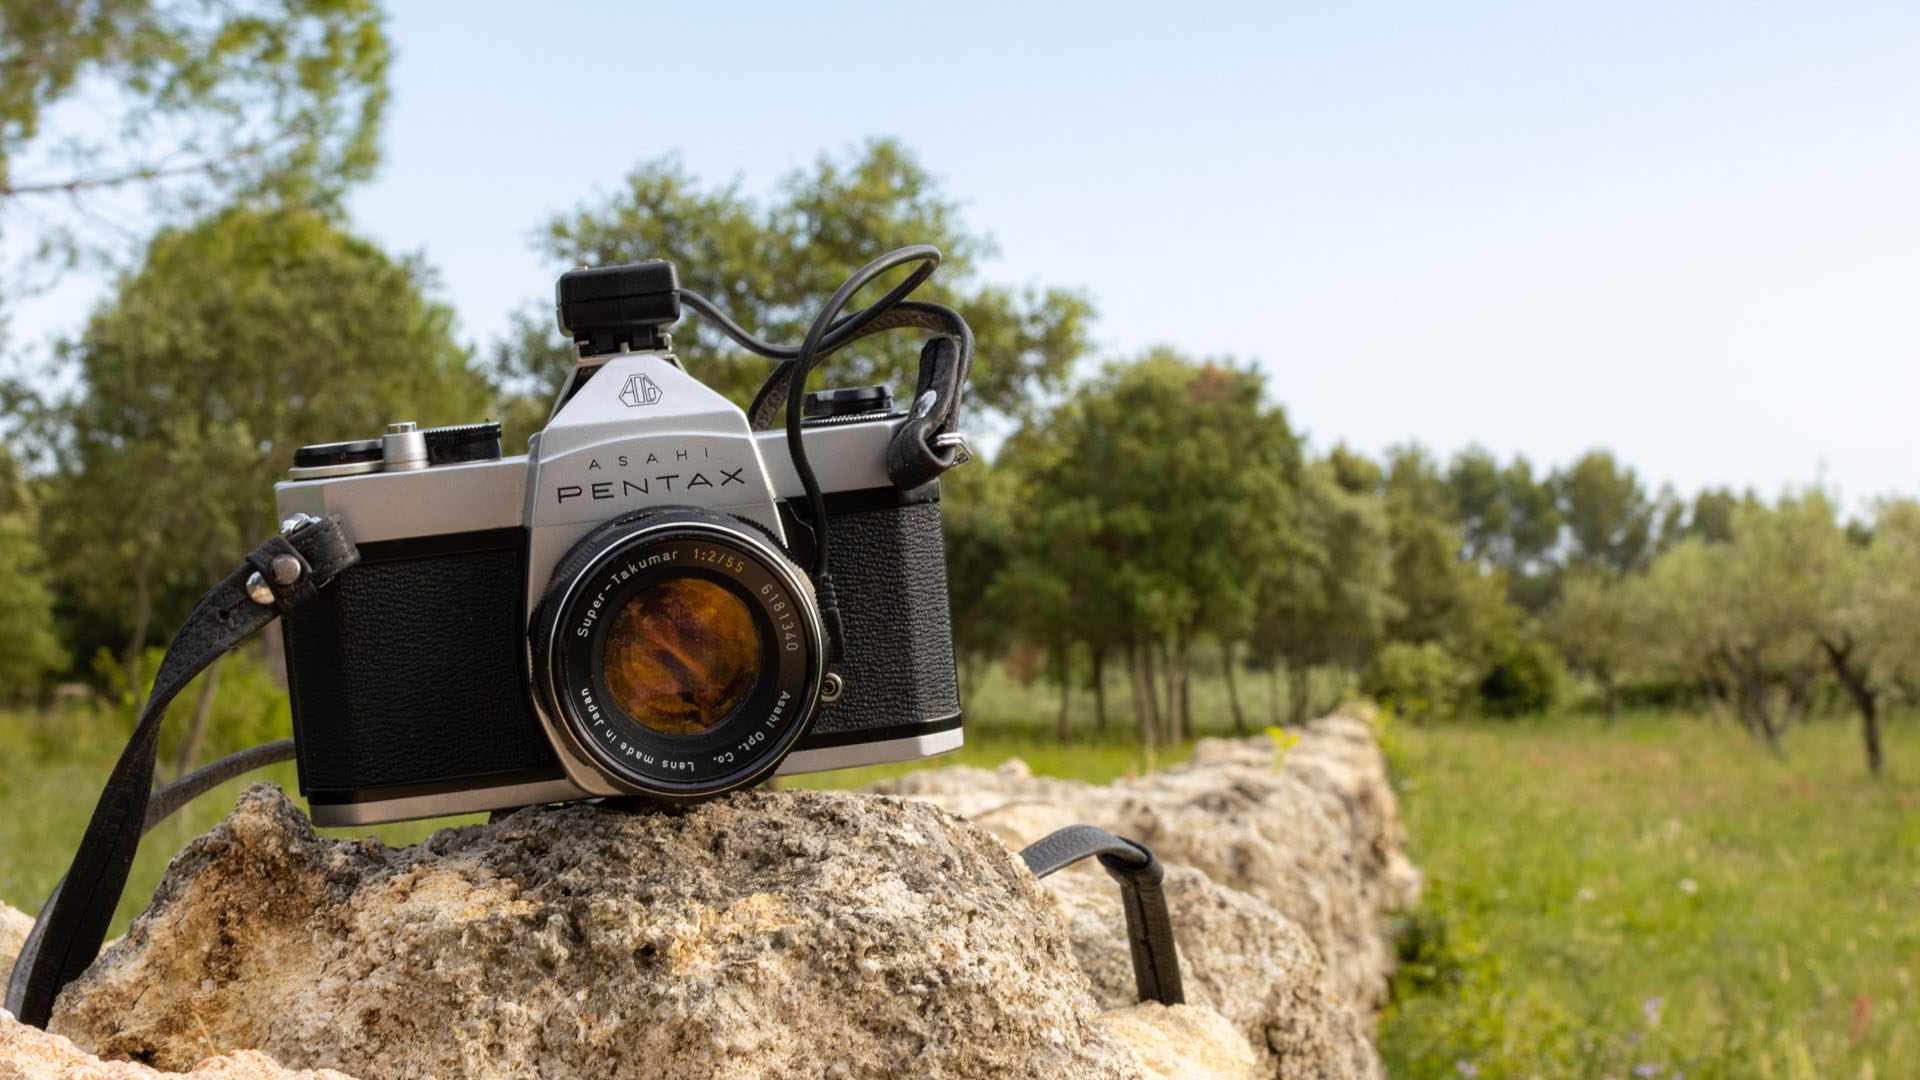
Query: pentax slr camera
point(640, 606)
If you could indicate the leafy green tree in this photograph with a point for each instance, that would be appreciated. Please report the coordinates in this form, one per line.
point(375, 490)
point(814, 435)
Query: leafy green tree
point(1163, 494)
point(205, 98)
point(1508, 521)
point(1711, 518)
point(1749, 610)
point(28, 646)
point(977, 504)
point(1609, 517)
point(1870, 626)
point(1596, 625)
point(241, 337)
point(772, 264)
point(1330, 605)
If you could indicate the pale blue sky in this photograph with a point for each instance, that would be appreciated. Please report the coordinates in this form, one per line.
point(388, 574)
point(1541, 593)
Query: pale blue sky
point(1689, 232)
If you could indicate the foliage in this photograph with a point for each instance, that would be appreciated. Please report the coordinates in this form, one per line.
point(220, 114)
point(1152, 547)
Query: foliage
point(771, 265)
point(1526, 679)
point(28, 646)
point(1158, 504)
point(1415, 681)
point(240, 338)
point(1610, 520)
point(233, 97)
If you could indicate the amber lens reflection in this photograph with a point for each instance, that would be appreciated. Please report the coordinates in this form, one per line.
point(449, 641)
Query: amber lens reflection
point(682, 655)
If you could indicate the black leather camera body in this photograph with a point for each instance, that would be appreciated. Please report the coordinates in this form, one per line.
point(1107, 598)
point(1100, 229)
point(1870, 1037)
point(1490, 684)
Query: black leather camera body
point(627, 609)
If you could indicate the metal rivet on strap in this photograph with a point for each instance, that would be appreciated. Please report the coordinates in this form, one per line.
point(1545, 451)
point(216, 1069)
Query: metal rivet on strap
point(286, 569)
point(258, 589)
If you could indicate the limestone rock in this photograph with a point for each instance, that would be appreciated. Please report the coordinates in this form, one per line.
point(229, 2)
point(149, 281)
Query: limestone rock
point(1239, 958)
point(763, 935)
point(1317, 838)
point(1182, 1042)
point(31, 1054)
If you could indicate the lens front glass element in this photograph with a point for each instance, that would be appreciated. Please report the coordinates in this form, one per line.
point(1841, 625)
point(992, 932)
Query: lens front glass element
point(682, 655)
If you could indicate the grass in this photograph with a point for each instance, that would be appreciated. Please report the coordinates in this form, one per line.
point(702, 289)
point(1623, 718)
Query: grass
point(1661, 899)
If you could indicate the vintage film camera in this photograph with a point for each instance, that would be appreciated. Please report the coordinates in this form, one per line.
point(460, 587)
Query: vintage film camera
point(628, 609)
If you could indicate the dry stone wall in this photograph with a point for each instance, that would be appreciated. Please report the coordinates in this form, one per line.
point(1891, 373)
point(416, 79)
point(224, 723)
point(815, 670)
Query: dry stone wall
point(769, 934)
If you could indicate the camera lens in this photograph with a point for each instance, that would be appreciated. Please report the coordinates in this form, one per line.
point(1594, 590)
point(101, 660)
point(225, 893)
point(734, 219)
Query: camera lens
point(682, 656)
point(680, 651)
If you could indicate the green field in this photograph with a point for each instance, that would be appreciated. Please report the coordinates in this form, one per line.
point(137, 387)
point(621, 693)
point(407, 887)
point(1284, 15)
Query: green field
point(1660, 899)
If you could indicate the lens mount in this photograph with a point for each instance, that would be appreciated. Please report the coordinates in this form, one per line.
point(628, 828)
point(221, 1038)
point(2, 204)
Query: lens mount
point(680, 651)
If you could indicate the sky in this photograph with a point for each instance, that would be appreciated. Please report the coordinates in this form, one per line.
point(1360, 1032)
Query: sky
point(1687, 232)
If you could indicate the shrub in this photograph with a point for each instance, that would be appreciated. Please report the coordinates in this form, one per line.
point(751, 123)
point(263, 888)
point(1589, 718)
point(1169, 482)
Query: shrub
point(1525, 680)
point(1415, 680)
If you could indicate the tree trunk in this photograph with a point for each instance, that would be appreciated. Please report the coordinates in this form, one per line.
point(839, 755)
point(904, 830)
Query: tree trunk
point(1169, 722)
point(189, 754)
point(1151, 682)
point(1066, 694)
point(1799, 688)
point(1297, 694)
point(1100, 689)
point(1141, 683)
point(1866, 697)
point(1233, 691)
point(1182, 679)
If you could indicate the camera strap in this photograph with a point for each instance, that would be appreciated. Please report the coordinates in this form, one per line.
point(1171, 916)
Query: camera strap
point(1156, 961)
point(278, 576)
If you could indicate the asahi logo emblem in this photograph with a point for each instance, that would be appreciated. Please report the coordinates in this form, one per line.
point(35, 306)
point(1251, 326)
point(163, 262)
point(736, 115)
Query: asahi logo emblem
point(639, 390)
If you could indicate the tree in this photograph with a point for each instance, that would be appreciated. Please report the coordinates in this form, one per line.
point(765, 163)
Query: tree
point(1156, 501)
point(225, 97)
point(28, 647)
point(1331, 604)
point(1596, 626)
point(1870, 628)
point(771, 265)
point(1508, 521)
point(1750, 610)
point(240, 338)
point(1608, 515)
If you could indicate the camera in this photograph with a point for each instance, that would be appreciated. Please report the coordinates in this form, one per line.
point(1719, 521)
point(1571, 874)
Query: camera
point(626, 610)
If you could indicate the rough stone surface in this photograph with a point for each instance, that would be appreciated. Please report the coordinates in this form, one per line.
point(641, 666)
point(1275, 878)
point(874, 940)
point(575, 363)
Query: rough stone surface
point(1182, 1042)
point(1239, 958)
point(1318, 838)
point(1280, 880)
point(31, 1054)
point(766, 934)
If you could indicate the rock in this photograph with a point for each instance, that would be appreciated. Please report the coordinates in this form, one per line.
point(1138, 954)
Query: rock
point(1240, 959)
point(763, 935)
point(28, 1053)
point(1317, 839)
point(1181, 1042)
point(14, 926)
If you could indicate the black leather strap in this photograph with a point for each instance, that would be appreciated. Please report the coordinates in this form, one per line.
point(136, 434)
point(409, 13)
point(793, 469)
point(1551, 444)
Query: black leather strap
point(72, 924)
point(913, 458)
point(1156, 962)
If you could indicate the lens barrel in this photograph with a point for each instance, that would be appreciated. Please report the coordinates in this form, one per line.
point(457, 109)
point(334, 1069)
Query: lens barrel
point(681, 651)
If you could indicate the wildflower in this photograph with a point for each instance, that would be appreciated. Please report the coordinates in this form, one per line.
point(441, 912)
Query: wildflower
point(1586, 895)
point(1689, 886)
point(1466, 1068)
point(1652, 1007)
point(1645, 1070)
